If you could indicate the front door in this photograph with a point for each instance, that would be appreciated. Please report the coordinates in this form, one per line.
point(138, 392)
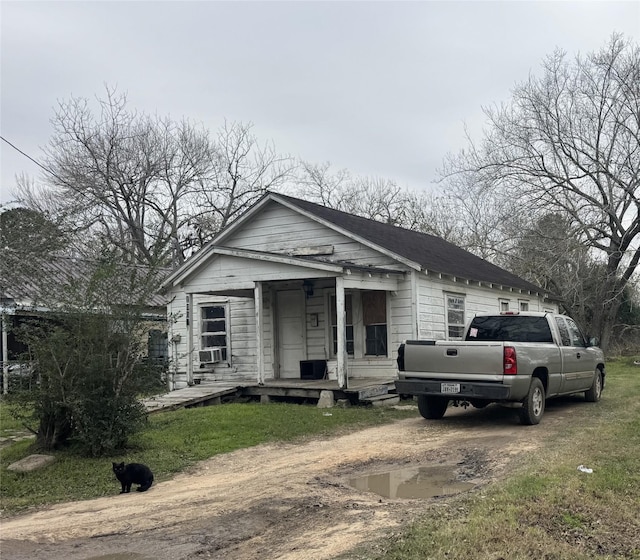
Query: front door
point(291, 332)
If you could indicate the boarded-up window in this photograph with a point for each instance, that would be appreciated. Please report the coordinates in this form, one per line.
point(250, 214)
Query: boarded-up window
point(374, 316)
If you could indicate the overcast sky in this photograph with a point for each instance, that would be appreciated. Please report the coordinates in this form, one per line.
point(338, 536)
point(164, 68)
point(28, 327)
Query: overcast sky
point(383, 89)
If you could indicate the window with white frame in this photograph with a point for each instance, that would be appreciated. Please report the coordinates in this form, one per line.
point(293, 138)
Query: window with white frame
point(214, 328)
point(504, 304)
point(523, 305)
point(455, 316)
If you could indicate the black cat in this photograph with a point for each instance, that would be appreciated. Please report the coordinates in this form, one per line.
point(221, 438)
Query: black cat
point(133, 473)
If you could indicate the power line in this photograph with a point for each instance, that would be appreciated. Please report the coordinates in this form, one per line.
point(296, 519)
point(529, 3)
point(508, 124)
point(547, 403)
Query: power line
point(44, 168)
point(27, 156)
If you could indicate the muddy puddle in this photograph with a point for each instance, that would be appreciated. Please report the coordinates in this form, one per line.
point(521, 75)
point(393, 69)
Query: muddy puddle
point(414, 482)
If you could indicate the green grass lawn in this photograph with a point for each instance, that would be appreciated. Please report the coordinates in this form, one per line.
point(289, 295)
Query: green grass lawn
point(172, 442)
point(548, 509)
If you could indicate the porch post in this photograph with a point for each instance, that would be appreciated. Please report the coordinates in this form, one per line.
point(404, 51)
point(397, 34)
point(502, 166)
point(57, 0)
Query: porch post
point(259, 311)
point(189, 339)
point(341, 334)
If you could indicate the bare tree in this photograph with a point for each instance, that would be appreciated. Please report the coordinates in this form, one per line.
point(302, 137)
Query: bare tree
point(463, 214)
point(241, 171)
point(569, 142)
point(483, 221)
point(149, 186)
point(318, 183)
point(121, 176)
point(370, 197)
point(550, 254)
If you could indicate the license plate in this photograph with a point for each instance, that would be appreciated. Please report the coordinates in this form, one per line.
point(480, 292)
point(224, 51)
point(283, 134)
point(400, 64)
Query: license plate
point(449, 387)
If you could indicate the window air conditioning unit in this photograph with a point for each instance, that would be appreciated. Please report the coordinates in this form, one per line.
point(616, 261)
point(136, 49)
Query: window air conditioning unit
point(210, 355)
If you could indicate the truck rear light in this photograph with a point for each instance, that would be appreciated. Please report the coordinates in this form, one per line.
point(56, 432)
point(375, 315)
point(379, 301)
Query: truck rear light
point(510, 363)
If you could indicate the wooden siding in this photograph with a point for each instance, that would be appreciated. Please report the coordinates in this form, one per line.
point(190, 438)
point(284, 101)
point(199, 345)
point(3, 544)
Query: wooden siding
point(432, 321)
point(224, 272)
point(402, 316)
point(241, 334)
point(278, 229)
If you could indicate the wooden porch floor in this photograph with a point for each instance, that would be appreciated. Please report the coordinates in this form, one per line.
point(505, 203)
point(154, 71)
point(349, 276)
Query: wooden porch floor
point(360, 391)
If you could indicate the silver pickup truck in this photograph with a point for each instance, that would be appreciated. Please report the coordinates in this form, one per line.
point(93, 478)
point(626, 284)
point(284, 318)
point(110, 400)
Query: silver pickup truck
point(509, 357)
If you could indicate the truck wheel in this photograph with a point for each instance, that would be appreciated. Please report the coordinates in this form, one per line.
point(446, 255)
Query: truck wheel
point(533, 404)
point(432, 408)
point(595, 392)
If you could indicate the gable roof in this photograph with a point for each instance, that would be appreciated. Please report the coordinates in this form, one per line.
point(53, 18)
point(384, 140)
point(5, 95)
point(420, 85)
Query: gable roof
point(424, 251)
point(430, 252)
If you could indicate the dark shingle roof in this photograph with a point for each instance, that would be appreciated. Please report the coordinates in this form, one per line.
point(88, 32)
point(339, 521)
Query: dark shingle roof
point(428, 251)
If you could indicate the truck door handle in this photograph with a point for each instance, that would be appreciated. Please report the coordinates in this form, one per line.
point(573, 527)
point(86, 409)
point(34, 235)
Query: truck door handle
point(452, 352)
point(578, 355)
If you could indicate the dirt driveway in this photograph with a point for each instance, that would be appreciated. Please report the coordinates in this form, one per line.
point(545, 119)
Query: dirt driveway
point(284, 501)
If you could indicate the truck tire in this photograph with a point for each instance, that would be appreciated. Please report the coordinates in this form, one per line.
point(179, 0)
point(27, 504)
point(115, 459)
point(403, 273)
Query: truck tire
point(595, 392)
point(432, 408)
point(533, 404)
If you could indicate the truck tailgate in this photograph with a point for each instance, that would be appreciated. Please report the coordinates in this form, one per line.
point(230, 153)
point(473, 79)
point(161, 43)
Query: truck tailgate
point(449, 357)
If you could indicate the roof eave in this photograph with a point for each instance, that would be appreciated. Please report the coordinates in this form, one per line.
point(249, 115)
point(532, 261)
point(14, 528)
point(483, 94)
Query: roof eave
point(493, 285)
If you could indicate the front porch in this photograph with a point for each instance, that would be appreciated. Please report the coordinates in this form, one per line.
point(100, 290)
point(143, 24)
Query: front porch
point(361, 391)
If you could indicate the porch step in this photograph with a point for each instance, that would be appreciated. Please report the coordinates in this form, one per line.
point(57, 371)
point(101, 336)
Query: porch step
point(382, 400)
point(373, 391)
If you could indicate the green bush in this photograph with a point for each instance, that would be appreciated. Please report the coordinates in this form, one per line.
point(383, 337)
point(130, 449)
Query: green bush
point(90, 375)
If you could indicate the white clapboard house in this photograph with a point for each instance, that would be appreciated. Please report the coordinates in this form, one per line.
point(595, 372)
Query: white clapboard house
point(295, 290)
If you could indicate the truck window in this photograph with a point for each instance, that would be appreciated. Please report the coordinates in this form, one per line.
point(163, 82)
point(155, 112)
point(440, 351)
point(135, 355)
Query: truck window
point(576, 336)
point(511, 328)
point(564, 331)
